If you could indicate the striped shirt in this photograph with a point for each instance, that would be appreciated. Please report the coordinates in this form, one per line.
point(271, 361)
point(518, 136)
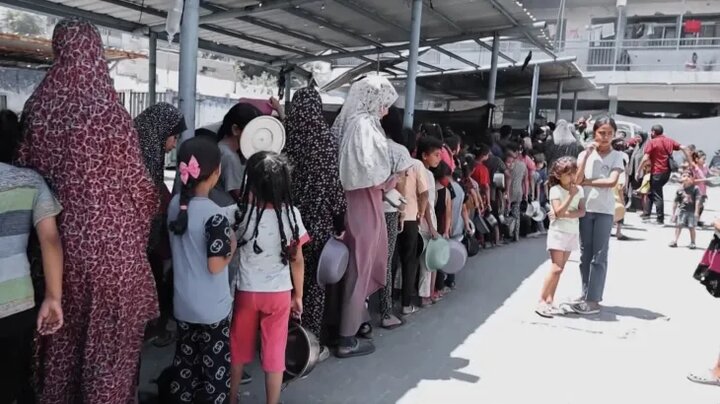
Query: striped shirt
point(25, 200)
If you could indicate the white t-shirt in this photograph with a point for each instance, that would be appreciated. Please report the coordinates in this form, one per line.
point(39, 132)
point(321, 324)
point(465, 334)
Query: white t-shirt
point(566, 224)
point(263, 270)
point(601, 200)
point(432, 198)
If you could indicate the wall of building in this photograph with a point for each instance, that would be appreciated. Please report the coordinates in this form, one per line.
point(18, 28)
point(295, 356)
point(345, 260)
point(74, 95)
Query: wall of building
point(700, 132)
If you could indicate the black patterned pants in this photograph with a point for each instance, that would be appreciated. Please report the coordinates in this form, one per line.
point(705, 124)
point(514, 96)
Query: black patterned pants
point(386, 304)
point(201, 368)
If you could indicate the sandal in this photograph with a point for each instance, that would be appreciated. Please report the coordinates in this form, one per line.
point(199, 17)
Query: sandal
point(707, 378)
point(406, 311)
point(623, 237)
point(360, 348)
point(366, 331)
point(390, 322)
point(426, 301)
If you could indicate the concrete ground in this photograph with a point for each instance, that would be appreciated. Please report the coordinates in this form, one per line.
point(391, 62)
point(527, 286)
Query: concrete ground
point(484, 344)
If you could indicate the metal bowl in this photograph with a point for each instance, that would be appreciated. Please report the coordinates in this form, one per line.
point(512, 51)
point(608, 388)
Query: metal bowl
point(301, 354)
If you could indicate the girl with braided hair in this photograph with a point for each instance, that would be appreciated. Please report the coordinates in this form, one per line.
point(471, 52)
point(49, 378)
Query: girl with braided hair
point(270, 283)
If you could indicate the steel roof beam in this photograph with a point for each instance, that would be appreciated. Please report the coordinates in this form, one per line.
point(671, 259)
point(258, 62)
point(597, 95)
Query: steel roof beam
point(501, 54)
point(404, 46)
point(516, 23)
point(321, 21)
point(447, 20)
point(259, 7)
point(209, 27)
point(280, 29)
point(456, 56)
point(306, 15)
point(350, 4)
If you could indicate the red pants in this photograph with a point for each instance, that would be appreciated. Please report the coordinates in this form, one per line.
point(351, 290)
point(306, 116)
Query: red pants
point(268, 311)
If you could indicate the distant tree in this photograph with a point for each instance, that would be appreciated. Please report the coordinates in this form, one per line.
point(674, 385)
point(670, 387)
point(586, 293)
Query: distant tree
point(24, 23)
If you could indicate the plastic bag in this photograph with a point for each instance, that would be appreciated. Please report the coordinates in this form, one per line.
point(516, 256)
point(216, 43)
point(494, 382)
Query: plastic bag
point(174, 17)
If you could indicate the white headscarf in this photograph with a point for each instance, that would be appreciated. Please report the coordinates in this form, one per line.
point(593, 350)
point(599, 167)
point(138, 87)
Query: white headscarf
point(364, 156)
point(563, 136)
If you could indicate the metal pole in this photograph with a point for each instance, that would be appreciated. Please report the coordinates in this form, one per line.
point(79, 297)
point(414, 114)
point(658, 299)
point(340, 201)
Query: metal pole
point(558, 107)
point(288, 88)
point(412, 64)
point(152, 73)
point(619, 34)
point(492, 85)
point(533, 97)
point(575, 105)
point(188, 65)
point(560, 26)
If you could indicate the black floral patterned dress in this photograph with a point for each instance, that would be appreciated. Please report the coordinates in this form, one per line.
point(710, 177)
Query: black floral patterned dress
point(317, 192)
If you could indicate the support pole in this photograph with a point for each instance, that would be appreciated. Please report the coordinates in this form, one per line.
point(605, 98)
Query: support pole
point(152, 71)
point(412, 64)
point(492, 84)
point(288, 88)
point(558, 107)
point(575, 106)
point(188, 65)
point(619, 33)
point(533, 97)
point(560, 27)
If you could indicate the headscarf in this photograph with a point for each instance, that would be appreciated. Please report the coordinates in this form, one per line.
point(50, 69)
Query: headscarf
point(79, 137)
point(638, 154)
point(563, 136)
point(312, 151)
point(154, 126)
point(400, 159)
point(364, 159)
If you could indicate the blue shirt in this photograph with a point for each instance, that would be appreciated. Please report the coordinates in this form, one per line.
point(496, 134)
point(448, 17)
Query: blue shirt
point(200, 296)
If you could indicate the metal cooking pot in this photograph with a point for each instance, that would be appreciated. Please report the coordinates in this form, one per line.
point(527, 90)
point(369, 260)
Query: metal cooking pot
point(301, 354)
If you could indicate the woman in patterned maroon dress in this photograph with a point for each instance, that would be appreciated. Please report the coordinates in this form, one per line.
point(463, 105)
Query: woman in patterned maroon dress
point(83, 142)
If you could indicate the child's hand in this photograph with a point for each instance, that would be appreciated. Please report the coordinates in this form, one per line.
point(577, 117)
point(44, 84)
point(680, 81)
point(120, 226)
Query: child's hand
point(574, 189)
point(296, 307)
point(50, 317)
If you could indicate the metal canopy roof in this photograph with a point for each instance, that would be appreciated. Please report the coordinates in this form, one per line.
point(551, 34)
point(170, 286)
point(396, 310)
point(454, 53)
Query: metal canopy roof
point(512, 80)
point(286, 32)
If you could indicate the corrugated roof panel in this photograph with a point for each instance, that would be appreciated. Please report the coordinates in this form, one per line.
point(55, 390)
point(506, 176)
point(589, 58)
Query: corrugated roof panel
point(362, 30)
point(242, 44)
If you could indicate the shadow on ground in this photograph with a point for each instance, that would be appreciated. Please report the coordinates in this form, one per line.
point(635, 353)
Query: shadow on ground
point(419, 350)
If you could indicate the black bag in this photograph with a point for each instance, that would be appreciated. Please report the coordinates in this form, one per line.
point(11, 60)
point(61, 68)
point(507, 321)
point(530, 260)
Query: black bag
point(471, 244)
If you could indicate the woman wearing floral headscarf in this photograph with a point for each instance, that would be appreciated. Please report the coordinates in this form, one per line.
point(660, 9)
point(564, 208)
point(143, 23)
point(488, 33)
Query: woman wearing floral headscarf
point(312, 150)
point(365, 173)
point(159, 127)
point(79, 137)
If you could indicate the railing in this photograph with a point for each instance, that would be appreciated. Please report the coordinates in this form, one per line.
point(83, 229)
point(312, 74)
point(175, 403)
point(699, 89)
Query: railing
point(646, 54)
point(136, 102)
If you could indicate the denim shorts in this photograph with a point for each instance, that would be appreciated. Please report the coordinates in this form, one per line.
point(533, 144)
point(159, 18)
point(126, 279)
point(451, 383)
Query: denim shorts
point(687, 220)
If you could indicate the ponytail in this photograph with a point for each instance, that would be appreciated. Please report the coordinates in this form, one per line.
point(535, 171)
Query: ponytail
point(180, 224)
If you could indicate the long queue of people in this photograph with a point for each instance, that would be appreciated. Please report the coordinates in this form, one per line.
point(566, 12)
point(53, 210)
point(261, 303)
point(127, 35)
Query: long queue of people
point(237, 251)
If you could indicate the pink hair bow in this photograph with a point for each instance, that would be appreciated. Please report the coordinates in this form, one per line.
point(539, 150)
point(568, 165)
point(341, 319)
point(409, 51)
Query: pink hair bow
point(191, 169)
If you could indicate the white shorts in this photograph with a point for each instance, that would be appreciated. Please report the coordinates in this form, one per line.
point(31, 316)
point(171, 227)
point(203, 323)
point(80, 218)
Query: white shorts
point(561, 241)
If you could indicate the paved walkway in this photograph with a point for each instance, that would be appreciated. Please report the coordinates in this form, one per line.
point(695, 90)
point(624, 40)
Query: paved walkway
point(484, 343)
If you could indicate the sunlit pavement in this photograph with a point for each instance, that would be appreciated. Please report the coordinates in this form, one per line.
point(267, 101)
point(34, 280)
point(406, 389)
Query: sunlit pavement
point(484, 343)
